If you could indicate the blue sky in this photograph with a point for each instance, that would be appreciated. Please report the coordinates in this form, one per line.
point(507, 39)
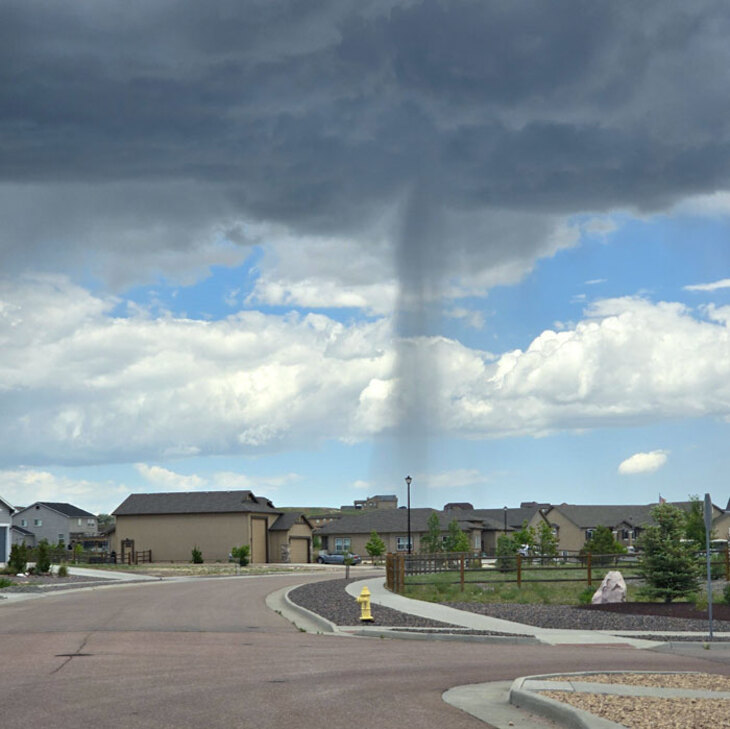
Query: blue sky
point(327, 255)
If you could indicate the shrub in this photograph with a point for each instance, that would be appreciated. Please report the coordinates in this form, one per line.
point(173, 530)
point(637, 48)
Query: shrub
point(63, 570)
point(197, 555)
point(603, 544)
point(375, 546)
point(241, 554)
point(586, 596)
point(18, 560)
point(43, 560)
point(4, 582)
point(506, 554)
point(78, 553)
point(726, 594)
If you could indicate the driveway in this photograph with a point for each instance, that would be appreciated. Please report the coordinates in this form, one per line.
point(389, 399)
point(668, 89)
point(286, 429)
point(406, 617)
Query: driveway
point(207, 652)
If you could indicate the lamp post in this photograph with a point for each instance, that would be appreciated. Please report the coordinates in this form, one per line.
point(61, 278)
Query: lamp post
point(505, 521)
point(408, 483)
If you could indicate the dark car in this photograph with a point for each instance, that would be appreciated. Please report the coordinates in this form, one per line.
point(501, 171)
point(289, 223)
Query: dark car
point(338, 558)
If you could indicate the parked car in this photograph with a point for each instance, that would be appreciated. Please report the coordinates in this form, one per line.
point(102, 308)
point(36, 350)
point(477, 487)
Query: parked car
point(338, 558)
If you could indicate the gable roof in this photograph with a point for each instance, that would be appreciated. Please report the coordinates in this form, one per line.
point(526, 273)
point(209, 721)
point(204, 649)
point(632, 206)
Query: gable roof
point(22, 530)
point(11, 508)
point(586, 516)
point(287, 520)
point(195, 502)
point(62, 508)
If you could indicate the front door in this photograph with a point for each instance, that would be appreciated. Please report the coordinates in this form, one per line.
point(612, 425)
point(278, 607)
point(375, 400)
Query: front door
point(3, 544)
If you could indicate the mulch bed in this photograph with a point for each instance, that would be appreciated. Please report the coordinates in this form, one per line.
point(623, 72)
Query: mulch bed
point(684, 610)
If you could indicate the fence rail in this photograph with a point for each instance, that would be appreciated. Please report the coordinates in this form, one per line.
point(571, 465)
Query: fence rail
point(518, 569)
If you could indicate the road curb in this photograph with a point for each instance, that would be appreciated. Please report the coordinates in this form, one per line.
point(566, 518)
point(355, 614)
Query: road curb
point(563, 714)
point(300, 617)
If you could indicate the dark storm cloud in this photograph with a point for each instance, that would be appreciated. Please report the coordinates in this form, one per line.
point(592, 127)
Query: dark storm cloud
point(311, 112)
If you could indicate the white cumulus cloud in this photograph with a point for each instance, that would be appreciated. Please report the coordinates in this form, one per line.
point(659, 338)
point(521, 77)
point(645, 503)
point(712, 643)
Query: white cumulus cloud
point(643, 463)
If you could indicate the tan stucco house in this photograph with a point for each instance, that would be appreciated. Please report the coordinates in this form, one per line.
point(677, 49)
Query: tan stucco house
point(171, 524)
point(352, 532)
point(574, 524)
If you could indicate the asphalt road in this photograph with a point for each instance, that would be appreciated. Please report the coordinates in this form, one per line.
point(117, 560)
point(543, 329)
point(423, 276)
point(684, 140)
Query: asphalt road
point(208, 653)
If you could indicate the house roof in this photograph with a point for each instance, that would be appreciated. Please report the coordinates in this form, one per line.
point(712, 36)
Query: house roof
point(587, 516)
point(394, 520)
point(62, 508)
point(11, 508)
point(21, 530)
point(494, 518)
point(195, 502)
point(287, 520)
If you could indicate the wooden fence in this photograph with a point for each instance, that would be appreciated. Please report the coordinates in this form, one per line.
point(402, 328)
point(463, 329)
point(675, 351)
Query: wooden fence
point(517, 568)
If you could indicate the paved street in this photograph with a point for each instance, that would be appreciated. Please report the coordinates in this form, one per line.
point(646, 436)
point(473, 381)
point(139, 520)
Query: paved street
point(208, 653)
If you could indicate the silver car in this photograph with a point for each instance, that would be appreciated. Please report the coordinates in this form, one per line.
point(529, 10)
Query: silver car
point(338, 558)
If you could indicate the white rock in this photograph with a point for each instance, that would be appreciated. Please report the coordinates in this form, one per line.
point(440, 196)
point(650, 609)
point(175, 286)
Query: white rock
point(612, 589)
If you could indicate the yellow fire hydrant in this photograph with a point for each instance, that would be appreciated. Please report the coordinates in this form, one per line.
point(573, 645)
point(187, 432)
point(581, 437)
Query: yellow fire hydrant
point(364, 600)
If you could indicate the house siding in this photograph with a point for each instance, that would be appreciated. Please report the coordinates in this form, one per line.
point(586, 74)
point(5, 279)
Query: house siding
point(53, 524)
point(171, 537)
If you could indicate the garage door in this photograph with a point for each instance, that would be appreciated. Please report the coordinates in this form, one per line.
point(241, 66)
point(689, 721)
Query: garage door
point(299, 550)
point(258, 540)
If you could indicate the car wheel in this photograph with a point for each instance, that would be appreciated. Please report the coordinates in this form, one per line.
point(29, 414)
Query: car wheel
point(320, 560)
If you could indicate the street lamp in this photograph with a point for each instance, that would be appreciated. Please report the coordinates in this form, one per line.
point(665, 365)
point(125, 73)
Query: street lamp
point(408, 483)
point(505, 521)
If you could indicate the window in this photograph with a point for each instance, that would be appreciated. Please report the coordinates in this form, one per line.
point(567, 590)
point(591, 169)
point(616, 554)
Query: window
point(37, 522)
point(60, 538)
point(625, 535)
point(78, 522)
point(23, 522)
point(342, 544)
point(91, 522)
point(589, 533)
point(401, 544)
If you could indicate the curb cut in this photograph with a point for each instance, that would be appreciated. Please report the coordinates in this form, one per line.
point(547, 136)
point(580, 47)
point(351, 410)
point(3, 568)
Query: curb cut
point(563, 714)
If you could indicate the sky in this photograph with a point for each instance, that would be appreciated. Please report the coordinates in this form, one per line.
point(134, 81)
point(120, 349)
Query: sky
point(308, 249)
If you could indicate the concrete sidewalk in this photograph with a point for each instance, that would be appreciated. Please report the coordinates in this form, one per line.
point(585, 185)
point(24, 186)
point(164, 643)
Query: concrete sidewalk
point(379, 595)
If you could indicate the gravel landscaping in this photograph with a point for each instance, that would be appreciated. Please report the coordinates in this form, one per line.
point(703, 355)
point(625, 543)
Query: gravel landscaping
point(581, 618)
point(330, 600)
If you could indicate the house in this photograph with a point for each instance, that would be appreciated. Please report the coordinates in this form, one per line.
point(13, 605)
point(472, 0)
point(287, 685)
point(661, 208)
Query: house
point(56, 522)
point(574, 524)
point(21, 536)
point(352, 532)
point(6, 522)
point(171, 524)
point(379, 501)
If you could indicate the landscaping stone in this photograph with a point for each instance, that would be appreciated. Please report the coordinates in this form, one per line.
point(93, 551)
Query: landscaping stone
point(612, 589)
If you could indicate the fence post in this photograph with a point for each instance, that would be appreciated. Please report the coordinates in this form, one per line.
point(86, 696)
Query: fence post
point(588, 564)
point(519, 570)
point(461, 570)
point(402, 574)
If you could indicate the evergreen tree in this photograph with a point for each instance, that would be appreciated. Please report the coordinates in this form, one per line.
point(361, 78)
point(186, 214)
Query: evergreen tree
point(506, 553)
point(43, 560)
point(670, 566)
point(375, 546)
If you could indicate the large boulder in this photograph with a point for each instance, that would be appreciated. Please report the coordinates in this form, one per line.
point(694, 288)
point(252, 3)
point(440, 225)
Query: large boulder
point(612, 589)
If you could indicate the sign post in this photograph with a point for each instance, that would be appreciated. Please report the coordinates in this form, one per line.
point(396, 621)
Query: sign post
point(708, 556)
